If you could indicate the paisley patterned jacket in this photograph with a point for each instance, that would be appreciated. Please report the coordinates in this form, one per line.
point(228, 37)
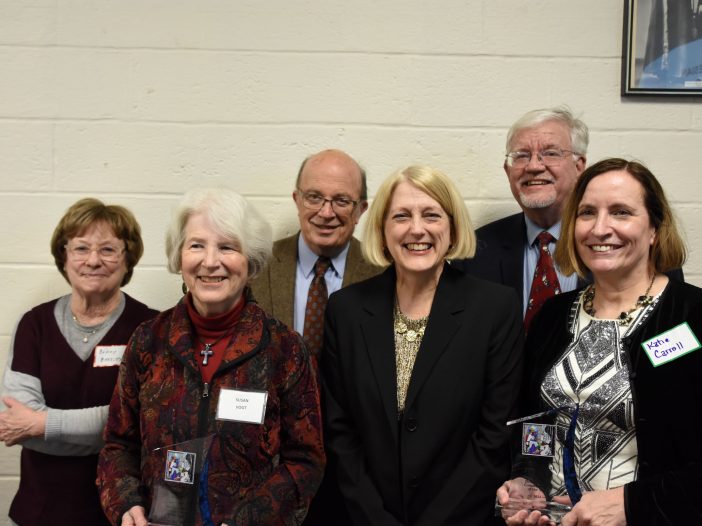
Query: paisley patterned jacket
point(258, 474)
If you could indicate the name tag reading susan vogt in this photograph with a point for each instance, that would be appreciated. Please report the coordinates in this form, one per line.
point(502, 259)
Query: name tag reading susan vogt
point(242, 406)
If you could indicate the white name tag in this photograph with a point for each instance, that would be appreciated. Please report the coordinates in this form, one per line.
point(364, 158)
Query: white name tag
point(242, 406)
point(670, 345)
point(108, 355)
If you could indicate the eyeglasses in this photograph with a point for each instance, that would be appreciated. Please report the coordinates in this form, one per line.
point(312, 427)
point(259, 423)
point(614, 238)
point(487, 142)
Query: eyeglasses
point(550, 157)
point(107, 253)
point(315, 201)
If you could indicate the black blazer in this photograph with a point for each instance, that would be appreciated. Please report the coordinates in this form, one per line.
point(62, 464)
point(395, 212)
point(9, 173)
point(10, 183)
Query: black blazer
point(499, 255)
point(441, 463)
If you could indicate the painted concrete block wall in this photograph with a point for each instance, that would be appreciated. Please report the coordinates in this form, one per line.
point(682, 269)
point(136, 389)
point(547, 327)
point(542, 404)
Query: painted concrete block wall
point(135, 102)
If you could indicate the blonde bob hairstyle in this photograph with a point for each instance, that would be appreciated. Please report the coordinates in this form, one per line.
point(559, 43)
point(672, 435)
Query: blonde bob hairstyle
point(233, 216)
point(668, 251)
point(439, 187)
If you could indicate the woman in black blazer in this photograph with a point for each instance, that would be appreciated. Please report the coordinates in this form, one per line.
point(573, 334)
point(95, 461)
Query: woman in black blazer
point(421, 366)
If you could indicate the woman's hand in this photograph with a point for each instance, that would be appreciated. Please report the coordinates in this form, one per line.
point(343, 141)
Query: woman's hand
point(19, 422)
point(135, 516)
point(598, 508)
point(517, 496)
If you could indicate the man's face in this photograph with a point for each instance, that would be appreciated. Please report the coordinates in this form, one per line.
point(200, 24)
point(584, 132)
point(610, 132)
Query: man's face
point(330, 175)
point(539, 189)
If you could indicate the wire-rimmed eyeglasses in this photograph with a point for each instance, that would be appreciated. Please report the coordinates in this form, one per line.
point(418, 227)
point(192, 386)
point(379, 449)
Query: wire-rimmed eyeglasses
point(549, 157)
point(107, 253)
point(316, 201)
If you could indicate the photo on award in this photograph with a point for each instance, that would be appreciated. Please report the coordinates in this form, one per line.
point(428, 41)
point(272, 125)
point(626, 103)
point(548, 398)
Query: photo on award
point(537, 439)
point(175, 495)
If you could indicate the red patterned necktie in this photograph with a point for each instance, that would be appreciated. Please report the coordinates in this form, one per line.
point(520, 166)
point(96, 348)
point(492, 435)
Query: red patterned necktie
point(545, 283)
point(314, 310)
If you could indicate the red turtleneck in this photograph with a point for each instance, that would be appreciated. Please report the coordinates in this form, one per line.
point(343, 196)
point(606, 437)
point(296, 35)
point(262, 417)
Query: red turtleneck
point(213, 330)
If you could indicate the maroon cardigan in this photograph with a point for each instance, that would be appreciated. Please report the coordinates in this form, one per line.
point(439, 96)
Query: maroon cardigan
point(61, 489)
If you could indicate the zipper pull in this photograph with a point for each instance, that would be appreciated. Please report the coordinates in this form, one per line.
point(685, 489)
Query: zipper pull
point(206, 390)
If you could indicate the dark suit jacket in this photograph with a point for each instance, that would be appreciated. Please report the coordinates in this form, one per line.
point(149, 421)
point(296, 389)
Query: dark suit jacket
point(499, 255)
point(274, 288)
point(441, 463)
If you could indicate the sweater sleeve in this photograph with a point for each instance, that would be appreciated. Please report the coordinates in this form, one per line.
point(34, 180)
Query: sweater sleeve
point(68, 432)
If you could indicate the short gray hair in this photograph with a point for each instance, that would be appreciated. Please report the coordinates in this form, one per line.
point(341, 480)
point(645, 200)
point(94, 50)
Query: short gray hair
point(579, 133)
point(232, 215)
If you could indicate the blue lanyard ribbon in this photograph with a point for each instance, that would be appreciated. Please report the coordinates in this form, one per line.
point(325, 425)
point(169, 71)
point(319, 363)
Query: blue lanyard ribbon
point(571, 477)
point(203, 499)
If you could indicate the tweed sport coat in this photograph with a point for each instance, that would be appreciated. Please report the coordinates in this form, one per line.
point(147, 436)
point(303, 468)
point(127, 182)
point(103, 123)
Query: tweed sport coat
point(274, 288)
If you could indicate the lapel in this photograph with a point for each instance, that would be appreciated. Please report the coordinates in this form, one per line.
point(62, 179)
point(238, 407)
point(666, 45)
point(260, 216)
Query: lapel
point(282, 271)
point(357, 269)
point(180, 336)
point(512, 242)
point(442, 325)
point(354, 258)
point(378, 335)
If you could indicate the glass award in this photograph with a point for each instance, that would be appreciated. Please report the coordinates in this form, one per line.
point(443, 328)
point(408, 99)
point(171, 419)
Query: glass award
point(530, 498)
point(538, 440)
point(175, 499)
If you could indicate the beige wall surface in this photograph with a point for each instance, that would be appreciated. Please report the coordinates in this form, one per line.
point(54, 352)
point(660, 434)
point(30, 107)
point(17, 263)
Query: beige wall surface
point(135, 102)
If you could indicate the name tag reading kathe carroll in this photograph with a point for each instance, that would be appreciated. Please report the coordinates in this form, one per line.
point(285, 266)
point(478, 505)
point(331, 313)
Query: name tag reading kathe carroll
point(108, 355)
point(671, 344)
point(242, 406)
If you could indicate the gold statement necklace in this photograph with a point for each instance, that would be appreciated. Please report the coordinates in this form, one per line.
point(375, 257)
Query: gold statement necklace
point(408, 338)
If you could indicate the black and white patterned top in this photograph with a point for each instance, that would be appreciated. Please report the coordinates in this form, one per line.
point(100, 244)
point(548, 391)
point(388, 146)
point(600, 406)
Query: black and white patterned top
point(593, 371)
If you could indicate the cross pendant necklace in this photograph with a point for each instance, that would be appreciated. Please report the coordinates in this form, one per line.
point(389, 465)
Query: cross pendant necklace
point(206, 353)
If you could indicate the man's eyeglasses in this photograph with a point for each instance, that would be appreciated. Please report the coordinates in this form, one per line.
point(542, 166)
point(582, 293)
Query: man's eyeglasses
point(550, 157)
point(315, 201)
point(107, 253)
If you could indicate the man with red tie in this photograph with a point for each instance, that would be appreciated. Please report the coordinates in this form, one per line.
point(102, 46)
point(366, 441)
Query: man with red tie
point(546, 152)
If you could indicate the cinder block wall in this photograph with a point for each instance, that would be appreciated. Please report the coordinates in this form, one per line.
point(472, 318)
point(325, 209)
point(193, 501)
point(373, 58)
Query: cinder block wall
point(137, 101)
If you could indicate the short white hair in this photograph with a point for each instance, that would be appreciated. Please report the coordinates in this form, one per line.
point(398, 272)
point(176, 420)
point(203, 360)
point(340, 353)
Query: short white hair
point(233, 216)
point(579, 133)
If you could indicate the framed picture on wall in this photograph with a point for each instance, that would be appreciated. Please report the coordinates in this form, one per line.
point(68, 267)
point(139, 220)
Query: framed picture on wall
point(662, 47)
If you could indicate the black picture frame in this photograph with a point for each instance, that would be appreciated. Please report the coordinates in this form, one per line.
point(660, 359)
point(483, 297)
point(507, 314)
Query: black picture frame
point(662, 48)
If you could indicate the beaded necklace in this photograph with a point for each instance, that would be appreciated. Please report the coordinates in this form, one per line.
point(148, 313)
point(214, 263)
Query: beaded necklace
point(625, 317)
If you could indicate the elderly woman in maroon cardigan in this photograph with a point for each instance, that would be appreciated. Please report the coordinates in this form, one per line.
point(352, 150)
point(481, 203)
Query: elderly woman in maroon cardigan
point(63, 366)
point(184, 370)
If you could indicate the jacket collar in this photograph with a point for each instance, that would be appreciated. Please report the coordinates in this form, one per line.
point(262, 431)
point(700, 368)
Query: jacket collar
point(248, 337)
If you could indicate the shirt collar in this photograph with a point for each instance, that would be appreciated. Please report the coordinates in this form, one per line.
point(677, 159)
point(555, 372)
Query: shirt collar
point(306, 259)
point(533, 230)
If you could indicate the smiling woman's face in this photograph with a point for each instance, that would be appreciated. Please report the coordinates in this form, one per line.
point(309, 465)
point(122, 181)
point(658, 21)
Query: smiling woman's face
point(417, 230)
point(214, 268)
point(93, 276)
point(613, 231)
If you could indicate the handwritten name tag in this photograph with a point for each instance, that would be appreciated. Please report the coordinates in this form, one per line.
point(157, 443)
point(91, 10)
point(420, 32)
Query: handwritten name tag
point(108, 355)
point(242, 406)
point(671, 345)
